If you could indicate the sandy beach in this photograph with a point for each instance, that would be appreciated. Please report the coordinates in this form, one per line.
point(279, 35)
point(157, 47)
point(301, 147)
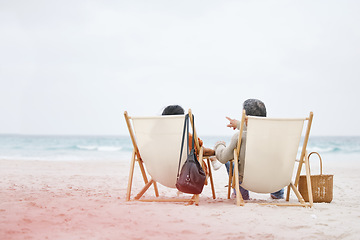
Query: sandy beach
point(86, 200)
point(76, 76)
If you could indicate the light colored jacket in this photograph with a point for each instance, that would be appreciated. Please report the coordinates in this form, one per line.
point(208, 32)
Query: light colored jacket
point(225, 153)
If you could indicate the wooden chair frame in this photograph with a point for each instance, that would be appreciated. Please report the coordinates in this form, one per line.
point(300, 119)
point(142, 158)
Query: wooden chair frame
point(136, 157)
point(234, 178)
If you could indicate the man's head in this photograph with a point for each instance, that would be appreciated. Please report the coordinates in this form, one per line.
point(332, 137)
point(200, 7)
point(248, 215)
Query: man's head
point(254, 107)
point(173, 110)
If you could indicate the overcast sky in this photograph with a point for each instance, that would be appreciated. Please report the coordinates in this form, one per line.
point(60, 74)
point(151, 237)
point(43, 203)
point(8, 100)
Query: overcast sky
point(74, 67)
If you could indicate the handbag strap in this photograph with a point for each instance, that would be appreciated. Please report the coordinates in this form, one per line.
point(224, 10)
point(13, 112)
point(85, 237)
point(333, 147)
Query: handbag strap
point(319, 159)
point(186, 129)
point(193, 136)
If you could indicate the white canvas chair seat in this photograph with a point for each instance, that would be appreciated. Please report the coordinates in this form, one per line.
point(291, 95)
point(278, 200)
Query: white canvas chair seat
point(159, 142)
point(271, 149)
point(157, 145)
point(270, 153)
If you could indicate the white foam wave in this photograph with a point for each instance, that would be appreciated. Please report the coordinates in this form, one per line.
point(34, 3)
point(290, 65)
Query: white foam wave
point(99, 148)
point(86, 147)
point(319, 149)
point(109, 149)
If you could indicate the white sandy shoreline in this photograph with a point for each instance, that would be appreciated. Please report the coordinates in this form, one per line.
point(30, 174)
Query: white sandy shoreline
point(86, 200)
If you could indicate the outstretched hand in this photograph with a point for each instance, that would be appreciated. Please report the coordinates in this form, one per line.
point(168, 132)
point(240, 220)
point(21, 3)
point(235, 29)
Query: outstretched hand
point(232, 124)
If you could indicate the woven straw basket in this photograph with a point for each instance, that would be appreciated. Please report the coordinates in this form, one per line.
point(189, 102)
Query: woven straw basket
point(321, 185)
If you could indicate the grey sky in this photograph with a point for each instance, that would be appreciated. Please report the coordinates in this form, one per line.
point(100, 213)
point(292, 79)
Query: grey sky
point(74, 67)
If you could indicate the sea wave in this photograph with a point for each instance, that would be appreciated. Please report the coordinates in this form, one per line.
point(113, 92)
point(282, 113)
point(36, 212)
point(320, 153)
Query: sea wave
point(99, 148)
point(334, 149)
point(323, 150)
point(120, 147)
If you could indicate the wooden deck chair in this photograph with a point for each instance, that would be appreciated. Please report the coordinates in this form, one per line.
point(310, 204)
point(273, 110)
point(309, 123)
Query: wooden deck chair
point(270, 154)
point(157, 144)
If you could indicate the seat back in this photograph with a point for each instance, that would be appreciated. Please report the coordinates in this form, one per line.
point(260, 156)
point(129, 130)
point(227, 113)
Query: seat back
point(271, 149)
point(159, 142)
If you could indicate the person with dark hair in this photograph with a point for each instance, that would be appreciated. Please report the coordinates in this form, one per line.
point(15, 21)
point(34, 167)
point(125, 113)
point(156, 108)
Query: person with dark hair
point(173, 110)
point(252, 107)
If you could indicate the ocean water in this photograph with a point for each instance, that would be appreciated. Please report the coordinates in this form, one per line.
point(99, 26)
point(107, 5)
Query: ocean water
point(78, 148)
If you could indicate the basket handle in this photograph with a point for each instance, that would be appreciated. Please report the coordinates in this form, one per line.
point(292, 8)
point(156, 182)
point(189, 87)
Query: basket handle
point(319, 159)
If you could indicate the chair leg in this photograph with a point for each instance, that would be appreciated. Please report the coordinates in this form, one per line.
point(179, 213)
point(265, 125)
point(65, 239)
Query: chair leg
point(308, 180)
point(230, 179)
point(201, 161)
point(296, 179)
point(211, 179)
point(156, 189)
point(145, 188)
point(143, 172)
point(197, 199)
point(239, 198)
point(131, 174)
point(288, 193)
point(297, 193)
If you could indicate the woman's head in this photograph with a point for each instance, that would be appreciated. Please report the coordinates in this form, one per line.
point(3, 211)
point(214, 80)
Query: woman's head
point(254, 107)
point(173, 110)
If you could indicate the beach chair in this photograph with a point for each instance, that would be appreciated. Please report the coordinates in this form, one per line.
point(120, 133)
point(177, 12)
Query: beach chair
point(271, 148)
point(157, 144)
